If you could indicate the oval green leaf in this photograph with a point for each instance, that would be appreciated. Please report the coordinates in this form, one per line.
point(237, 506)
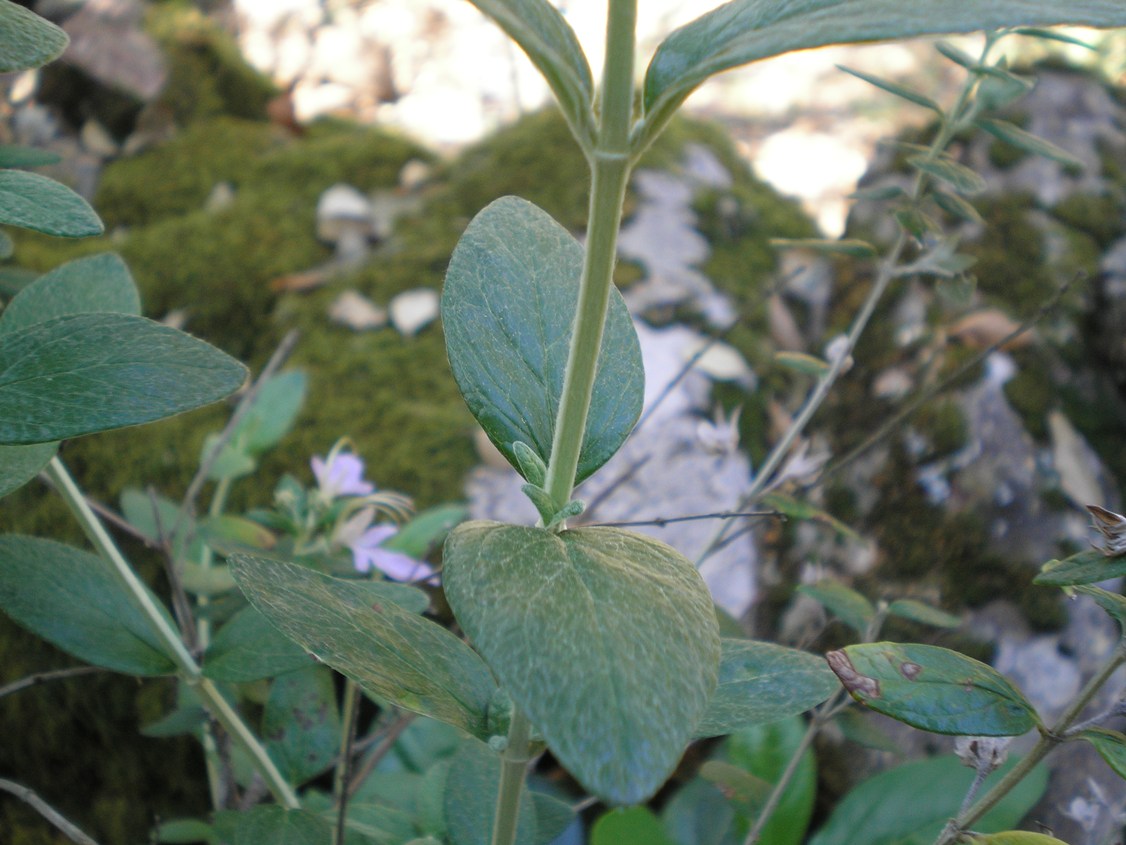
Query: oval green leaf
point(763, 682)
point(843, 602)
point(20, 464)
point(924, 614)
point(548, 40)
point(1019, 138)
point(607, 640)
point(301, 723)
point(629, 826)
point(35, 202)
point(98, 283)
point(910, 804)
point(92, 372)
point(1111, 746)
point(744, 31)
point(507, 308)
point(1016, 837)
point(394, 655)
point(1086, 567)
point(12, 155)
point(248, 648)
point(72, 599)
point(933, 689)
point(26, 40)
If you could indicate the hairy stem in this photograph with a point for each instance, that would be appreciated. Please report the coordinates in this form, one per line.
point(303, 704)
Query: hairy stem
point(162, 626)
point(513, 766)
point(610, 174)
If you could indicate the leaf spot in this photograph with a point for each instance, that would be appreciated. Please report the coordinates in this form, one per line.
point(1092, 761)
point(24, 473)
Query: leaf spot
point(853, 681)
point(910, 670)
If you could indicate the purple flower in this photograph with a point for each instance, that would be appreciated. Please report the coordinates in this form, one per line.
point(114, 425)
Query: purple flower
point(366, 543)
point(341, 475)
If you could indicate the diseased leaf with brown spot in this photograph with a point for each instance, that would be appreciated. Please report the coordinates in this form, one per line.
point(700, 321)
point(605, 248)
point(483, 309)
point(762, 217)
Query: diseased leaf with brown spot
point(934, 689)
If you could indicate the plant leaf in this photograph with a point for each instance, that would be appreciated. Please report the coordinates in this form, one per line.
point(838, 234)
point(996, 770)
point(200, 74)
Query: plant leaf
point(1017, 137)
point(910, 804)
point(846, 604)
point(1016, 837)
point(72, 599)
point(1111, 746)
point(12, 155)
point(248, 648)
point(761, 682)
point(35, 202)
point(955, 206)
point(392, 654)
point(916, 611)
point(607, 640)
point(1113, 603)
point(933, 689)
point(273, 824)
point(629, 826)
point(301, 723)
point(548, 40)
point(1086, 567)
point(843, 246)
point(427, 530)
point(92, 372)
point(895, 88)
point(20, 464)
point(957, 176)
point(27, 40)
point(507, 308)
point(744, 31)
point(96, 284)
point(765, 751)
point(471, 798)
point(272, 413)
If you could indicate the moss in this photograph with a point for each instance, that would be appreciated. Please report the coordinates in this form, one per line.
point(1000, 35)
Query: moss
point(927, 547)
point(944, 424)
point(1032, 393)
point(207, 75)
point(1099, 216)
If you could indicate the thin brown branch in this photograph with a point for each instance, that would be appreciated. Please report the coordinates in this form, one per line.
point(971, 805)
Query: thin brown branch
point(47, 677)
point(28, 796)
point(929, 393)
point(386, 743)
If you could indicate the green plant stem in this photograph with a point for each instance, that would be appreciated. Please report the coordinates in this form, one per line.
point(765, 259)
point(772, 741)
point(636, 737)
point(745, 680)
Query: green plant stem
point(610, 169)
point(1049, 739)
point(162, 626)
point(344, 764)
point(889, 269)
point(513, 767)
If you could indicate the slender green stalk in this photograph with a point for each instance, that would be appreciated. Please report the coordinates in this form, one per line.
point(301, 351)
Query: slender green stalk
point(610, 174)
point(1049, 739)
point(889, 269)
point(344, 764)
point(162, 626)
point(513, 767)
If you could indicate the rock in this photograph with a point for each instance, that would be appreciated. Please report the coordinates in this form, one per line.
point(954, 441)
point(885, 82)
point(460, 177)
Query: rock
point(356, 311)
point(413, 309)
point(344, 219)
point(107, 42)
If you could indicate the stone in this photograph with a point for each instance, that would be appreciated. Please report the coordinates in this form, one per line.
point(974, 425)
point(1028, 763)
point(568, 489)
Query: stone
point(413, 310)
point(357, 312)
